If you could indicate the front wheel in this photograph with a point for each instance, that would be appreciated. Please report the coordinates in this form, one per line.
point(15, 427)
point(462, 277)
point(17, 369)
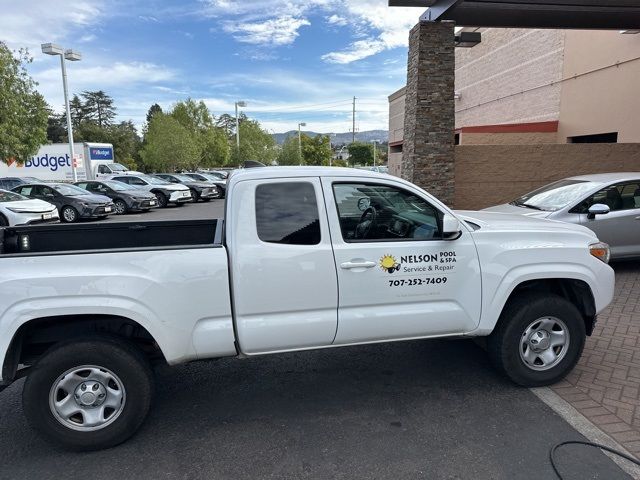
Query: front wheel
point(538, 340)
point(163, 201)
point(120, 206)
point(89, 394)
point(3, 221)
point(195, 196)
point(69, 214)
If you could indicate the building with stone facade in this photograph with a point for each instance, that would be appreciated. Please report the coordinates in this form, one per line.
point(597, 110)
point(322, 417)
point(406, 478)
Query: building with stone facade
point(528, 86)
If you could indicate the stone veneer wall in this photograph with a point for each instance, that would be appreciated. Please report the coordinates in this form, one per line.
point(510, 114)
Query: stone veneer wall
point(428, 154)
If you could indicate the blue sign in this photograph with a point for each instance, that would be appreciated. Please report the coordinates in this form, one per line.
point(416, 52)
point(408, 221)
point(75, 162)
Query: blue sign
point(101, 153)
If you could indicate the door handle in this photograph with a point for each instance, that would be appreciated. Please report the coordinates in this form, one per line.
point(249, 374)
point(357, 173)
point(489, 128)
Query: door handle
point(354, 265)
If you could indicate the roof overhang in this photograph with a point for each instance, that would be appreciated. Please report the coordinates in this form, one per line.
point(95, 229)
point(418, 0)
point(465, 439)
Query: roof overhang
point(579, 14)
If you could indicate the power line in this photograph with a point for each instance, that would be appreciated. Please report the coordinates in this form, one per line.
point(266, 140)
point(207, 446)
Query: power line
point(298, 107)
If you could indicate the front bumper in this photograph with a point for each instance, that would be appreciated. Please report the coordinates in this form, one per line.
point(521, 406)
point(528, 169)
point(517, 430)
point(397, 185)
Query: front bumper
point(180, 196)
point(33, 218)
point(93, 211)
point(144, 204)
point(210, 193)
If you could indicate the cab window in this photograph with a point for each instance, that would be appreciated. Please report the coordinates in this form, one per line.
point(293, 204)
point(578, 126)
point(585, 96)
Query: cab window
point(370, 212)
point(104, 169)
point(287, 213)
point(623, 196)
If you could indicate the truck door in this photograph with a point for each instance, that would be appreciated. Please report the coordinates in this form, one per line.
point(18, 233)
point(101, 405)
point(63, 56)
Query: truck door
point(398, 278)
point(283, 275)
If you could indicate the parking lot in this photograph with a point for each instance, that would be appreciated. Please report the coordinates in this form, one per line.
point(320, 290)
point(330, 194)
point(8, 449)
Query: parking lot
point(428, 409)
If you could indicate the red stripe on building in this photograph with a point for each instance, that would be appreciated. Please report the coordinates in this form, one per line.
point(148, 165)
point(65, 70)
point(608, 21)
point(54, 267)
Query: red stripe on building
point(536, 127)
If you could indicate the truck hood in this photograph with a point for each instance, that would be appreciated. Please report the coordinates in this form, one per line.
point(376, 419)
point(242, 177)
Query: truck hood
point(30, 206)
point(509, 222)
point(508, 208)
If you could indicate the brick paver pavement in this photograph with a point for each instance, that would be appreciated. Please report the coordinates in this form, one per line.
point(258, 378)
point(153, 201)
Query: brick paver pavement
point(605, 386)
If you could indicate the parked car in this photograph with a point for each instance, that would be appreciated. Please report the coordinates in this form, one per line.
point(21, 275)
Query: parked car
point(125, 197)
point(608, 204)
point(9, 183)
point(306, 258)
point(16, 209)
point(200, 190)
point(73, 202)
point(211, 178)
point(165, 192)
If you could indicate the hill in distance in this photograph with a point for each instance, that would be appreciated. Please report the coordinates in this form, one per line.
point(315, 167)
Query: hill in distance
point(338, 138)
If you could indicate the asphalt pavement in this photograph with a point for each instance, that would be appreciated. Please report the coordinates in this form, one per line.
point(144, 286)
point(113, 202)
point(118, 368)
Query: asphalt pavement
point(416, 410)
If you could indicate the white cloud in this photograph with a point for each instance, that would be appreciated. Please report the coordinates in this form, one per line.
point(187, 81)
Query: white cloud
point(273, 32)
point(28, 24)
point(376, 28)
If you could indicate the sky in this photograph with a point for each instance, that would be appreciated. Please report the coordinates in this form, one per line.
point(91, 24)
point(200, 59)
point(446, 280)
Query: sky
point(292, 61)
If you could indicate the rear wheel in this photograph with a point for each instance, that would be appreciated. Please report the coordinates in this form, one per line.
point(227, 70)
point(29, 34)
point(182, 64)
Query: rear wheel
point(120, 206)
point(69, 214)
point(89, 394)
point(163, 201)
point(3, 221)
point(538, 340)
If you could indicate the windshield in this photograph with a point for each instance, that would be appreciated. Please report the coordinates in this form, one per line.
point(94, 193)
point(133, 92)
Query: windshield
point(10, 197)
point(212, 177)
point(118, 186)
point(184, 178)
point(154, 180)
point(70, 190)
point(556, 196)
point(116, 167)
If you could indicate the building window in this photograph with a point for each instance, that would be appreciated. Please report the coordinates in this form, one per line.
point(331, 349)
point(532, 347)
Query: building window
point(395, 148)
point(597, 138)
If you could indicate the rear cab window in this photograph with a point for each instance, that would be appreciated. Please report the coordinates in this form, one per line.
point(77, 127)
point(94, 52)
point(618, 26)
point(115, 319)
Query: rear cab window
point(287, 213)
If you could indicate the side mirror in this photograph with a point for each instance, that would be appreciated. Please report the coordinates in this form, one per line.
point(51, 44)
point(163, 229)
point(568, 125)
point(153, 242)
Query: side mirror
point(451, 227)
point(598, 209)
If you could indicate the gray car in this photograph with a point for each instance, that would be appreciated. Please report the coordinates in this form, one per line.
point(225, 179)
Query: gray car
point(607, 203)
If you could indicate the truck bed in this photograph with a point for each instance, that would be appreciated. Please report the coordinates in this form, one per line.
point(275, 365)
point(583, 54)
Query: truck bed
point(108, 237)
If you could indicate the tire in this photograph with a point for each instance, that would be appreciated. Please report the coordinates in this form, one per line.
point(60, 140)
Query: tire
point(98, 361)
point(163, 201)
point(120, 206)
point(69, 214)
point(522, 326)
point(3, 221)
point(195, 195)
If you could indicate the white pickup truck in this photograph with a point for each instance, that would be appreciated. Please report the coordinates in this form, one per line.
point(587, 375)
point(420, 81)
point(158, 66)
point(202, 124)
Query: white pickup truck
point(307, 258)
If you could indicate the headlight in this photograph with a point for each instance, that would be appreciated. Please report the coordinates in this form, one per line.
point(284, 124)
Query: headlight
point(18, 210)
point(601, 251)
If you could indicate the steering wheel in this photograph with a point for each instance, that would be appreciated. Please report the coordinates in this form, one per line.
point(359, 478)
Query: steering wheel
point(368, 221)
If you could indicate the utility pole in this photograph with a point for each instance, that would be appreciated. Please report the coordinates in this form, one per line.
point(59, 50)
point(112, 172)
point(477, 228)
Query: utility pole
point(238, 104)
point(354, 121)
point(300, 140)
point(374, 152)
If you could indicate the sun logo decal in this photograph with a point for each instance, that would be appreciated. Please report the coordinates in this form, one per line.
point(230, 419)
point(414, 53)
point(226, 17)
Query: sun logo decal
point(389, 264)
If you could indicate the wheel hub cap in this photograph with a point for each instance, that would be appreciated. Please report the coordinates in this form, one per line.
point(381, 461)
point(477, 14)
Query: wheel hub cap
point(87, 398)
point(90, 394)
point(544, 343)
point(540, 340)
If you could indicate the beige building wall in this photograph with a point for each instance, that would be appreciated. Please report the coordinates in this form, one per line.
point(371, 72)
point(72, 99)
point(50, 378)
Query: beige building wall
point(510, 77)
point(601, 90)
point(396, 130)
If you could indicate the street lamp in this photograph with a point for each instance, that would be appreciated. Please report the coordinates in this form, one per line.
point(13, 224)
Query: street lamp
point(238, 104)
point(300, 140)
point(331, 148)
point(72, 56)
point(375, 150)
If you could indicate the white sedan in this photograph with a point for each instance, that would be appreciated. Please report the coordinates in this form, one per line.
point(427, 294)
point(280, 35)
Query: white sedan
point(16, 209)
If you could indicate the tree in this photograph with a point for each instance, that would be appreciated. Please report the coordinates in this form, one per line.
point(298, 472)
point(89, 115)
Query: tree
point(212, 140)
point(360, 153)
point(169, 146)
point(290, 152)
point(56, 130)
point(316, 150)
point(99, 107)
point(79, 113)
point(255, 144)
point(228, 122)
point(155, 108)
point(23, 111)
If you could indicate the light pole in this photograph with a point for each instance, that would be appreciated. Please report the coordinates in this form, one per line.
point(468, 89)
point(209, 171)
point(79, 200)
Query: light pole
point(374, 151)
point(331, 149)
point(300, 140)
point(242, 104)
point(72, 56)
